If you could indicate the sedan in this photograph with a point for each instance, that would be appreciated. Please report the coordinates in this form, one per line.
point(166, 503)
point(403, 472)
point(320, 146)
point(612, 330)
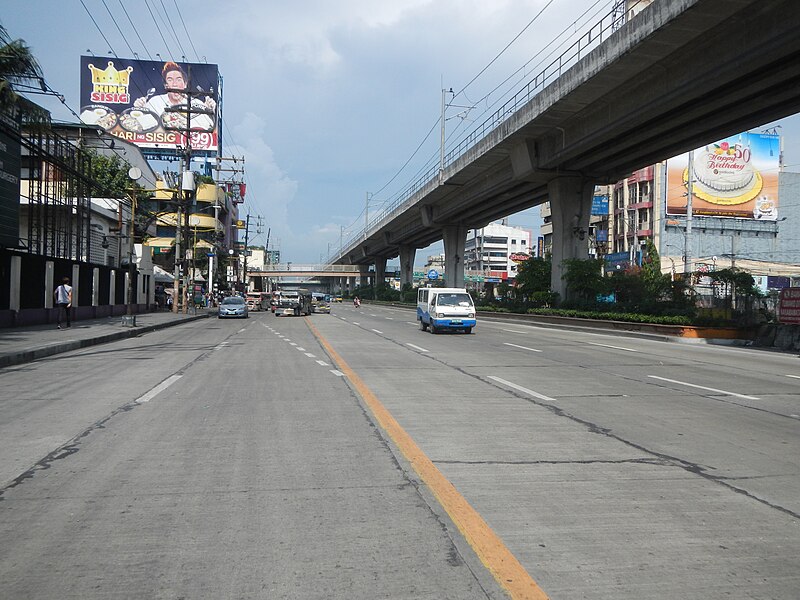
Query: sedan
point(233, 307)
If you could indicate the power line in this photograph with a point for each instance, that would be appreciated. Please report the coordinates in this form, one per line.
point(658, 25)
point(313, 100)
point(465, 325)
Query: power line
point(99, 30)
point(189, 37)
point(163, 39)
point(516, 37)
point(136, 30)
point(174, 33)
point(114, 20)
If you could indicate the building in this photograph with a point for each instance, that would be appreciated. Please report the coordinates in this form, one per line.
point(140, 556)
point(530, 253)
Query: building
point(745, 211)
point(495, 250)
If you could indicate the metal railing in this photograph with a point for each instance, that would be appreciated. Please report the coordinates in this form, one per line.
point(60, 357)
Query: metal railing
point(303, 268)
point(588, 41)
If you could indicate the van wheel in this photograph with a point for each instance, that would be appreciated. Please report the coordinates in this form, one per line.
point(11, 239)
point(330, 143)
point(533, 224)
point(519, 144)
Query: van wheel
point(468, 330)
point(422, 325)
point(433, 329)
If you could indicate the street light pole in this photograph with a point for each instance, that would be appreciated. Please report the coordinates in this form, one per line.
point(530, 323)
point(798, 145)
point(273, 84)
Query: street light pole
point(131, 262)
point(134, 173)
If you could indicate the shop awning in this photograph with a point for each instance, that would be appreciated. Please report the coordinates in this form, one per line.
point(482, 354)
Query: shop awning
point(165, 242)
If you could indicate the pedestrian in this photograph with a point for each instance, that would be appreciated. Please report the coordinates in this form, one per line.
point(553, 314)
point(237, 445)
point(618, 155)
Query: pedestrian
point(63, 298)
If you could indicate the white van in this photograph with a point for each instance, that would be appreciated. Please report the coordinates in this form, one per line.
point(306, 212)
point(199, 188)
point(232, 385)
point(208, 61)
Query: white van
point(445, 308)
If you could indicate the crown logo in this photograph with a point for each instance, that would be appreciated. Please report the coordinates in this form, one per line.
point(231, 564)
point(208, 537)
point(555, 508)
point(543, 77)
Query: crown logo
point(110, 75)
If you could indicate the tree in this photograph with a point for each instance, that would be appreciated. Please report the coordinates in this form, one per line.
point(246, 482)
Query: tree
point(110, 175)
point(18, 67)
point(533, 282)
point(584, 279)
point(533, 275)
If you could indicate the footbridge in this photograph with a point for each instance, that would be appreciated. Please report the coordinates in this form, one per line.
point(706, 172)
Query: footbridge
point(677, 75)
point(339, 276)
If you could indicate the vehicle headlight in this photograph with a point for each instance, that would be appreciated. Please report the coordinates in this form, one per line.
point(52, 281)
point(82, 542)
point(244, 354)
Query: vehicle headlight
point(471, 315)
point(440, 315)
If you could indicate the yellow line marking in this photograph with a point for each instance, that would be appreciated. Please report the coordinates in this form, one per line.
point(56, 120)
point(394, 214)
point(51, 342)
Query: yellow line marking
point(494, 554)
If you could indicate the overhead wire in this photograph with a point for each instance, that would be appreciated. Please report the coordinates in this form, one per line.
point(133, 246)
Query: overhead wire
point(174, 33)
point(91, 16)
point(571, 27)
point(163, 39)
point(136, 30)
point(189, 37)
point(114, 20)
point(429, 164)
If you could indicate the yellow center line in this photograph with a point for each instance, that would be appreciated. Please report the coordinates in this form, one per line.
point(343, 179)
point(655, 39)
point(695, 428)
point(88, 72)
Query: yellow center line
point(491, 550)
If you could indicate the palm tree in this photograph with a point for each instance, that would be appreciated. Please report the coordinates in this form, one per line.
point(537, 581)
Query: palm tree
point(17, 66)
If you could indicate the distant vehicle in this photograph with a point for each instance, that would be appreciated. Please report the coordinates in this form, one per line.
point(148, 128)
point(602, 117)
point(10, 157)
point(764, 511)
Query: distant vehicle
point(338, 298)
point(293, 302)
point(319, 304)
point(445, 308)
point(257, 300)
point(233, 307)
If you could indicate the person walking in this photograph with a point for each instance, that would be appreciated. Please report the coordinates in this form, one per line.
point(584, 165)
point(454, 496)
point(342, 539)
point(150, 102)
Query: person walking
point(63, 297)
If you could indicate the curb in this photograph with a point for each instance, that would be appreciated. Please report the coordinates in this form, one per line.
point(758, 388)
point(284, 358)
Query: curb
point(25, 356)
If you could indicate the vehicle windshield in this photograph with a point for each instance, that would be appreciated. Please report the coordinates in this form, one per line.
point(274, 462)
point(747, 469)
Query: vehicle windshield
point(290, 294)
point(453, 300)
point(233, 300)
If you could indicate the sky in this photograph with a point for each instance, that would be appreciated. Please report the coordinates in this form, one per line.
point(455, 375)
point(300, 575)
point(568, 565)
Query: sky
point(335, 105)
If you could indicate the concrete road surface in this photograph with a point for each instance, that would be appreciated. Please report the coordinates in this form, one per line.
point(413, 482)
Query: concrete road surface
point(353, 456)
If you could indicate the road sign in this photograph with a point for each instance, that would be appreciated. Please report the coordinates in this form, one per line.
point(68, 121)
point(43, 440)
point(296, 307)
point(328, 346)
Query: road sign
point(433, 274)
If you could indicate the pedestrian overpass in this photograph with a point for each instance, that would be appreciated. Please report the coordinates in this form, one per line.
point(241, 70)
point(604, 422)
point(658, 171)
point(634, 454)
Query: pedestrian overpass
point(337, 276)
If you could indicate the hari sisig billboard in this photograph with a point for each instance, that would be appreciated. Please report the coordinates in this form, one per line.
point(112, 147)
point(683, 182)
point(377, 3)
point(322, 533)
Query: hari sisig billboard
point(148, 102)
point(734, 177)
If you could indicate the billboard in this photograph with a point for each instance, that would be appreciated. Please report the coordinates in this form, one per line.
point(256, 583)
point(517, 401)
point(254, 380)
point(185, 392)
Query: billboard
point(734, 177)
point(151, 103)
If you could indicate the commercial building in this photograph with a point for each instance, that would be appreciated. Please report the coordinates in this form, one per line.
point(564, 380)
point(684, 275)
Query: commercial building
point(496, 250)
point(745, 211)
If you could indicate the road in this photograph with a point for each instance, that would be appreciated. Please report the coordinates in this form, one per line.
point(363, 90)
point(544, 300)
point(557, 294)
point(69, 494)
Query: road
point(351, 455)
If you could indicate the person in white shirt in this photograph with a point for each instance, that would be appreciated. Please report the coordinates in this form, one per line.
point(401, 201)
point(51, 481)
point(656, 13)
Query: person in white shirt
point(174, 84)
point(63, 298)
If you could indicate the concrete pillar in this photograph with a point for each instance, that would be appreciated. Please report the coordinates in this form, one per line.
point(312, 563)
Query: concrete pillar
point(380, 271)
point(455, 238)
point(76, 285)
point(49, 285)
point(570, 207)
point(16, 285)
point(95, 286)
point(351, 283)
point(407, 256)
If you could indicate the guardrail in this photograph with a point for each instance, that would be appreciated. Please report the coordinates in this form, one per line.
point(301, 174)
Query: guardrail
point(302, 268)
point(588, 41)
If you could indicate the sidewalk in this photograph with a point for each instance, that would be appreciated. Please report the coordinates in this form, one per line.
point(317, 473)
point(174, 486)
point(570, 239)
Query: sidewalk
point(23, 344)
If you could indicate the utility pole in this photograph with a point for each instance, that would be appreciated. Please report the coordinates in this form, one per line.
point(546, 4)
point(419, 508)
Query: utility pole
point(687, 249)
point(187, 188)
point(244, 261)
point(441, 143)
point(366, 217)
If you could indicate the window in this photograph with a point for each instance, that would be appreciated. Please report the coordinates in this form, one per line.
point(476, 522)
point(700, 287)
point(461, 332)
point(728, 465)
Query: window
point(523, 242)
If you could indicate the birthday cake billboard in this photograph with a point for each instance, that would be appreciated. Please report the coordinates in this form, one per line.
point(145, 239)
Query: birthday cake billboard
point(734, 177)
point(152, 104)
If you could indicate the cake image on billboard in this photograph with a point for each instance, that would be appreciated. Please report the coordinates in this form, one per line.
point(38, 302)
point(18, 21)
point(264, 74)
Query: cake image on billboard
point(724, 174)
